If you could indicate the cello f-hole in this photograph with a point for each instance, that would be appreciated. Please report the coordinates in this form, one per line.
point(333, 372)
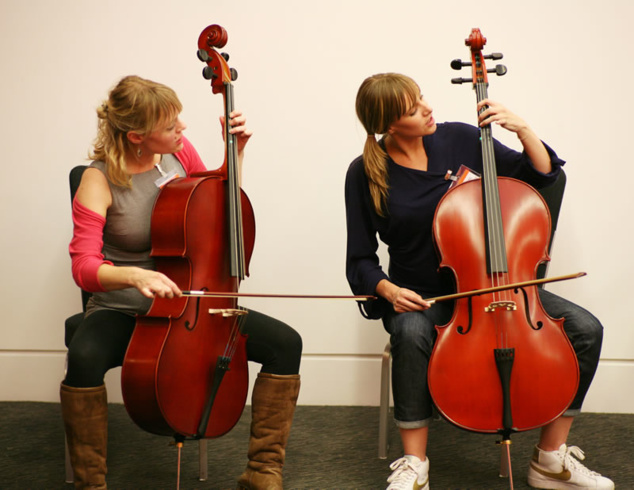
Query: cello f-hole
point(460, 329)
point(540, 324)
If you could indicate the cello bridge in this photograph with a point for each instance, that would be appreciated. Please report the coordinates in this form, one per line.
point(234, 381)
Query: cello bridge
point(506, 305)
point(227, 312)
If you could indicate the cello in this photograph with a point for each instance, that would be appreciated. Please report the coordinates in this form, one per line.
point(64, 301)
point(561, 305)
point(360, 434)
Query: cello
point(185, 371)
point(501, 364)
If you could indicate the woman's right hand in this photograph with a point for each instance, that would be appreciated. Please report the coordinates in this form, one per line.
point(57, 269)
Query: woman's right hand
point(402, 299)
point(152, 283)
point(149, 283)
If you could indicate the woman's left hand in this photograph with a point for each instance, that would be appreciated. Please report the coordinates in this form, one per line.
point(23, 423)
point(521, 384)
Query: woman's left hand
point(533, 146)
point(238, 127)
point(499, 114)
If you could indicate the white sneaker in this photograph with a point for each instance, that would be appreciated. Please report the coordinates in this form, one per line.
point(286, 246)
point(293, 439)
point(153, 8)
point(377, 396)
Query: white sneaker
point(409, 473)
point(559, 470)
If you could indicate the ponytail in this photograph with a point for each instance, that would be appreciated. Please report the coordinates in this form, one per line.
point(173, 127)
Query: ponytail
point(381, 100)
point(375, 165)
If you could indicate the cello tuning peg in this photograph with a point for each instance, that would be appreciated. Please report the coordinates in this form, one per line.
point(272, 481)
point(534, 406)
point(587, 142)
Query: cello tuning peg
point(461, 80)
point(225, 56)
point(234, 74)
point(202, 55)
point(494, 56)
point(208, 73)
point(458, 64)
point(499, 70)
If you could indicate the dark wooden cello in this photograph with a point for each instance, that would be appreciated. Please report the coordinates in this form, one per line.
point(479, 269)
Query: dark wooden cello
point(185, 372)
point(501, 364)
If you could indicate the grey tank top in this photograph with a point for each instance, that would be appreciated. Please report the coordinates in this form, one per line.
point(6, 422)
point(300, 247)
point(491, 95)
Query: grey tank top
point(126, 235)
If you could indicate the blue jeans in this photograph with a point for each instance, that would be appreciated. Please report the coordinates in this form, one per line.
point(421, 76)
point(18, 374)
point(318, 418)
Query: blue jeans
point(413, 334)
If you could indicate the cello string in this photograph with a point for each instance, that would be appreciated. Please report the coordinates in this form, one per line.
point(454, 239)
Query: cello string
point(230, 347)
point(235, 210)
point(496, 236)
point(234, 335)
point(492, 208)
point(487, 189)
point(498, 242)
point(233, 340)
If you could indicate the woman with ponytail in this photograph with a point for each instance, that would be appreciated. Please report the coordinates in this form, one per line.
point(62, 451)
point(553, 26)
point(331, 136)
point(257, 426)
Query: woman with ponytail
point(392, 191)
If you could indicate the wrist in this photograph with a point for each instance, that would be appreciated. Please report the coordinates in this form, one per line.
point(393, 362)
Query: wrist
point(525, 133)
point(387, 290)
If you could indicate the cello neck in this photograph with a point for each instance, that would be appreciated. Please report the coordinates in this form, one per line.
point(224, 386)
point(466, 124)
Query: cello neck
point(496, 247)
point(236, 238)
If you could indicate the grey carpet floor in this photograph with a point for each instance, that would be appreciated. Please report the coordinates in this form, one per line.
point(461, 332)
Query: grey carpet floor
point(329, 448)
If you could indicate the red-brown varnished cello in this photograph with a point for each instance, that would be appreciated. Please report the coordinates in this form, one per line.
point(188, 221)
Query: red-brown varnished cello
point(185, 371)
point(501, 364)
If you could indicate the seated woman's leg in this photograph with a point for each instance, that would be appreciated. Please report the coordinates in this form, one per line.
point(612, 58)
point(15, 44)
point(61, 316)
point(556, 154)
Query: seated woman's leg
point(586, 336)
point(412, 336)
point(273, 344)
point(98, 345)
point(278, 348)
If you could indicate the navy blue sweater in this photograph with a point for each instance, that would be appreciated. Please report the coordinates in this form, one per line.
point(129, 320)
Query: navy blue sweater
point(413, 196)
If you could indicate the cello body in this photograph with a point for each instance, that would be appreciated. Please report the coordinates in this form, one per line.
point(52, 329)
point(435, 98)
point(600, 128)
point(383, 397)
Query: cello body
point(501, 364)
point(170, 363)
point(463, 374)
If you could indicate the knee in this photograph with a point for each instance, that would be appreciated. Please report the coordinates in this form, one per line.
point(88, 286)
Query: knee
point(286, 353)
point(585, 325)
point(411, 330)
point(83, 367)
point(82, 357)
point(294, 344)
point(585, 332)
point(595, 330)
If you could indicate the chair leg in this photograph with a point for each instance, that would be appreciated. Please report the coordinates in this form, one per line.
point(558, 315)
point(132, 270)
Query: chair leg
point(203, 471)
point(384, 407)
point(70, 475)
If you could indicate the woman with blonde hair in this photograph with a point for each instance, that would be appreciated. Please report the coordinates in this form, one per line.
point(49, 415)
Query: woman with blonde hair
point(139, 144)
point(392, 191)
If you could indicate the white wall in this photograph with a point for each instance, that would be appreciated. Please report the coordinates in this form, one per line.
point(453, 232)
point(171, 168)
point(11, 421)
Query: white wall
point(300, 64)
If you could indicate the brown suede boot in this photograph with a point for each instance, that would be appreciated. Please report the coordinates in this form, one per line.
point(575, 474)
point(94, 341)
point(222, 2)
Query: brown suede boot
point(272, 408)
point(85, 414)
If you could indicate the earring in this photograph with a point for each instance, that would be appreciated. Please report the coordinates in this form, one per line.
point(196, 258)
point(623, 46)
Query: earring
point(139, 152)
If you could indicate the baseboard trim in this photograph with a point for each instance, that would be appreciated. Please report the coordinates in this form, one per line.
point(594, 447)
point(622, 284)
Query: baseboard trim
point(347, 380)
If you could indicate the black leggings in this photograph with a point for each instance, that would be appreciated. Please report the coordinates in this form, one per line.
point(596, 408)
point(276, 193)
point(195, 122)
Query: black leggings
point(100, 343)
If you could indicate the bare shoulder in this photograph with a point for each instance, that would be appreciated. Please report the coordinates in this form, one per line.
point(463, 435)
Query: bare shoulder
point(94, 191)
